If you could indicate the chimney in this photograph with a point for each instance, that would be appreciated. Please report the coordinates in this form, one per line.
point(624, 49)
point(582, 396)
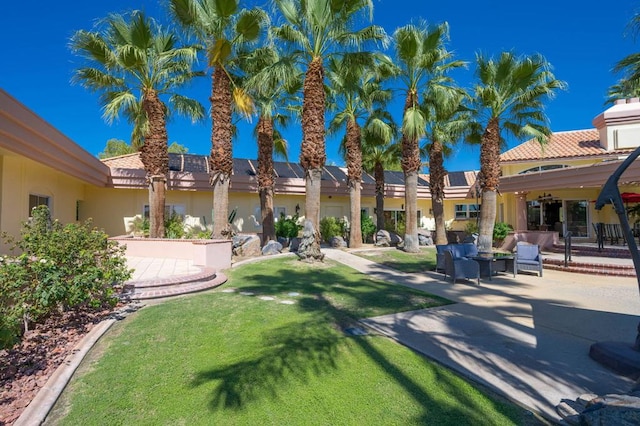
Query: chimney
point(619, 126)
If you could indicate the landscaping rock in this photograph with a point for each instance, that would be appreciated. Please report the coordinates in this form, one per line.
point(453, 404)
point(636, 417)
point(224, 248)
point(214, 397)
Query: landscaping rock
point(338, 242)
point(271, 248)
point(396, 239)
point(594, 410)
point(284, 241)
point(309, 249)
point(294, 244)
point(239, 240)
point(383, 239)
point(425, 240)
point(250, 247)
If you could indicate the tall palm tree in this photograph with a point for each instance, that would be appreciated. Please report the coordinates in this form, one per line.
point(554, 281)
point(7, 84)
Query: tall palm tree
point(380, 153)
point(508, 97)
point(224, 29)
point(447, 120)
point(629, 84)
point(316, 30)
point(134, 63)
point(355, 90)
point(272, 97)
point(421, 58)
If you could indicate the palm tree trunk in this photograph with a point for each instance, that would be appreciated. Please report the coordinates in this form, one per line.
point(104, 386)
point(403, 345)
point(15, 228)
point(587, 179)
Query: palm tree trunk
point(312, 152)
point(265, 177)
point(155, 158)
point(411, 165)
point(436, 185)
point(489, 178)
point(221, 158)
point(378, 174)
point(354, 170)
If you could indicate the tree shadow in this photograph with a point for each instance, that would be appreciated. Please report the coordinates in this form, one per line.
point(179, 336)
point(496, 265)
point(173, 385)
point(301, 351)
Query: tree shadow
point(297, 351)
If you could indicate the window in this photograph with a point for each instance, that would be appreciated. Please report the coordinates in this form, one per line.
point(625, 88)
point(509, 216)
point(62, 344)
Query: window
point(279, 211)
point(38, 200)
point(169, 210)
point(466, 211)
point(543, 168)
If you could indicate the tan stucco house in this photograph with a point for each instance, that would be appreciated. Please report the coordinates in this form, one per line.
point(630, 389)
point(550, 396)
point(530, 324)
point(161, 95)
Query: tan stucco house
point(542, 190)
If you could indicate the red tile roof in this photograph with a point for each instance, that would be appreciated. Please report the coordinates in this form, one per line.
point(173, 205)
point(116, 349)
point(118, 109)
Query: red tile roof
point(576, 143)
point(128, 161)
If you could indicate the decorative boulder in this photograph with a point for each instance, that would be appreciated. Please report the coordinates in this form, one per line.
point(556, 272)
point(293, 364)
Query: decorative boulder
point(284, 241)
point(425, 240)
point(249, 247)
point(396, 239)
point(309, 249)
point(294, 244)
point(383, 239)
point(338, 242)
point(271, 248)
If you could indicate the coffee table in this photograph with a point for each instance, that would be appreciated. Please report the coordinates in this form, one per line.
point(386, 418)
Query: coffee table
point(490, 264)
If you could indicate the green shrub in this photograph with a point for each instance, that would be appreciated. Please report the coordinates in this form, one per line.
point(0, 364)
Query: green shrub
point(332, 227)
point(60, 268)
point(500, 232)
point(471, 227)
point(367, 227)
point(287, 227)
point(174, 227)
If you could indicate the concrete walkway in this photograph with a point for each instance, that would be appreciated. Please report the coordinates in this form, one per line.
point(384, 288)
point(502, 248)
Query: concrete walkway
point(526, 337)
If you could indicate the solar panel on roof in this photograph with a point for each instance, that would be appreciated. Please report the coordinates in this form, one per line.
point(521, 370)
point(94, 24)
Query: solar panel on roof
point(334, 173)
point(367, 178)
point(394, 178)
point(242, 167)
point(285, 170)
point(195, 163)
point(175, 162)
point(457, 179)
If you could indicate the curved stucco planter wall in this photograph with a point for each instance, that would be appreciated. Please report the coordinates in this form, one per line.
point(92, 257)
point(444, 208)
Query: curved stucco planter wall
point(210, 253)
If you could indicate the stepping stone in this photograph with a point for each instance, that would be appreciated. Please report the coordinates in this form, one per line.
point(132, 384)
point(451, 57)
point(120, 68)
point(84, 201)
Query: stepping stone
point(287, 302)
point(246, 293)
point(229, 290)
point(293, 294)
point(266, 298)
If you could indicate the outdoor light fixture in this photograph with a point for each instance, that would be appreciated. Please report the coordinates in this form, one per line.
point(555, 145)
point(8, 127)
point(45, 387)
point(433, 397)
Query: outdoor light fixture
point(297, 208)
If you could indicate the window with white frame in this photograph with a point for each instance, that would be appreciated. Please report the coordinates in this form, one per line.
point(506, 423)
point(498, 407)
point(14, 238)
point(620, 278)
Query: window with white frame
point(38, 200)
point(466, 211)
point(169, 210)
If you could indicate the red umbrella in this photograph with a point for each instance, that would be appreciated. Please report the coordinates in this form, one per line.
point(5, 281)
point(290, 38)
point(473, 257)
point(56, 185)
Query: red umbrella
point(630, 197)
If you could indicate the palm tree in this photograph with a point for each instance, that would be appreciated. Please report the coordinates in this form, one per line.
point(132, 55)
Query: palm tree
point(272, 97)
point(421, 58)
point(318, 29)
point(629, 85)
point(133, 63)
point(509, 97)
point(447, 120)
point(380, 153)
point(355, 89)
point(224, 29)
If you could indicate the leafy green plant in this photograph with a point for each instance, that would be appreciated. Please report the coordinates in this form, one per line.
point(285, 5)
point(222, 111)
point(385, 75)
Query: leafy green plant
point(367, 227)
point(60, 268)
point(332, 227)
point(287, 227)
point(174, 227)
point(471, 227)
point(500, 232)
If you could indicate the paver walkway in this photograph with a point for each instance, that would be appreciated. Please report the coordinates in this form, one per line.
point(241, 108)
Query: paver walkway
point(526, 337)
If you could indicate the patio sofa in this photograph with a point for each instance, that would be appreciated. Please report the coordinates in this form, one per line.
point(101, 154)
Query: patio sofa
point(459, 251)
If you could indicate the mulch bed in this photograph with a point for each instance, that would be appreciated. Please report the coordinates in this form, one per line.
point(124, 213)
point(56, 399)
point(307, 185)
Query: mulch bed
point(26, 367)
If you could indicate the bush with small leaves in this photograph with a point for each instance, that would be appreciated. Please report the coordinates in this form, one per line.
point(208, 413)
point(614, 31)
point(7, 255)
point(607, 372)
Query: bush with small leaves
point(60, 268)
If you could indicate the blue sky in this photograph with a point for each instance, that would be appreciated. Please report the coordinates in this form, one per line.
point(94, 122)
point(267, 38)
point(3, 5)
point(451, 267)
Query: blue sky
point(581, 39)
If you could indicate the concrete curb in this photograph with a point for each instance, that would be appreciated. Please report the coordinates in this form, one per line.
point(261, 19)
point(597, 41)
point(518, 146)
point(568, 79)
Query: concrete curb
point(39, 408)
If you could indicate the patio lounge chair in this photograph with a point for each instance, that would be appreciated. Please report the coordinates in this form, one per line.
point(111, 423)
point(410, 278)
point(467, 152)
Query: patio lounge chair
point(528, 258)
point(460, 268)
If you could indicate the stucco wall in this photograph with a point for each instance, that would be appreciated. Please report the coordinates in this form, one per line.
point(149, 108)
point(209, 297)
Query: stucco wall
point(21, 177)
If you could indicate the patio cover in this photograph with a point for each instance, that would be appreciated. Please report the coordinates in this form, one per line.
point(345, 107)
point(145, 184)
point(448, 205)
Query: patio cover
point(591, 176)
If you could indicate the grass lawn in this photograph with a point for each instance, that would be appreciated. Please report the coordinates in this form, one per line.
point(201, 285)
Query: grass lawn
point(224, 358)
point(425, 260)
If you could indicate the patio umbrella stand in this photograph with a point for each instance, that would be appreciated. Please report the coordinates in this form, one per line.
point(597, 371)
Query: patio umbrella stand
point(620, 356)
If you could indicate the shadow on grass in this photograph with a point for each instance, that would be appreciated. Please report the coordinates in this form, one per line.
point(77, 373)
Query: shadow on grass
point(295, 352)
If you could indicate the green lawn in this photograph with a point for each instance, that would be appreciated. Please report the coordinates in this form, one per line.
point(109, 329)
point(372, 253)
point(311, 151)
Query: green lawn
point(231, 359)
point(423, 261)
